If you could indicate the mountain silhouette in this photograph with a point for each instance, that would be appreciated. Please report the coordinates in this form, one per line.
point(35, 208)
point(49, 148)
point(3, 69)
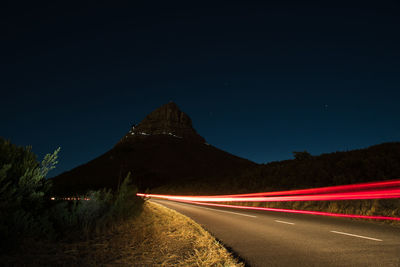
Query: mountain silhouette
point(162, 149)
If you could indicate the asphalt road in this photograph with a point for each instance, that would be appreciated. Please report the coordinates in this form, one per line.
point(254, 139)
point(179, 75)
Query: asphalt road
point(265, 238)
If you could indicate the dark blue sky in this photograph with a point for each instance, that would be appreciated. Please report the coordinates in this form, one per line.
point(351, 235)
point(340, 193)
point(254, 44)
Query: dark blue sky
point(259, 79)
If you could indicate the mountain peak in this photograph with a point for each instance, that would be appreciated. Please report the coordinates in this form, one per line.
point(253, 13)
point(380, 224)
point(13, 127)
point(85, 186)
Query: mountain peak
point(163, 149)
point(167, 120)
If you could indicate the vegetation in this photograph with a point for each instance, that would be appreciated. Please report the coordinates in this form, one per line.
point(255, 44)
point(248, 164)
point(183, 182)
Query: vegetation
point(157, 237)
point(169, 238)
point(26, 208)
point(24, 199)
point(380, 162)
point(304, 155)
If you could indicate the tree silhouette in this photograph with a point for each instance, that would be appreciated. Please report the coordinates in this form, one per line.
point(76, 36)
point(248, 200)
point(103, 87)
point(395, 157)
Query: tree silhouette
point(303, 155)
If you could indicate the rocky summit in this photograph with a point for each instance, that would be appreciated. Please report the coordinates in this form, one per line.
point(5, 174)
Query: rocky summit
point(166, 120)
point(164, 149)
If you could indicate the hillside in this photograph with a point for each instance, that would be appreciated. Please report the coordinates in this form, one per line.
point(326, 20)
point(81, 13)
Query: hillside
point(163, 149)
point(375, 163)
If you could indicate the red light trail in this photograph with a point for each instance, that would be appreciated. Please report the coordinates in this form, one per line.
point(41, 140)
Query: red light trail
point(330, 189)
point(297, 211)
point(373, 190)
point(370, 194)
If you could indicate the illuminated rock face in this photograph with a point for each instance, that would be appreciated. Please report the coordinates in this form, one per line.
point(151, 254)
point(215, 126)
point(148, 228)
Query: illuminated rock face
point(167, 120)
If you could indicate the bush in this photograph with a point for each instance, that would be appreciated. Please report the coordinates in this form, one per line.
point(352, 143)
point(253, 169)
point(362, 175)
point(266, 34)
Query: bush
point(24, 191)
point(26, 210)
point(105, 208)
point(126, 204)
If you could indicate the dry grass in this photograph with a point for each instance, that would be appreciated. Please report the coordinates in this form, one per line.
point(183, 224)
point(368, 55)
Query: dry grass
point(167, 238)
point(158, 237)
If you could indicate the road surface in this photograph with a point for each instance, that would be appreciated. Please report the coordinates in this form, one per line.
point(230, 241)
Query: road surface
point(263, 238)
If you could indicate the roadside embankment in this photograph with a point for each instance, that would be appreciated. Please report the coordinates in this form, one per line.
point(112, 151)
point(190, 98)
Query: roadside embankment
point(172, 239)
point(157, 237)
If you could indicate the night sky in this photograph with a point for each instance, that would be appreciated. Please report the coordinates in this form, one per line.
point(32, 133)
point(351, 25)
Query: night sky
point(260, 79)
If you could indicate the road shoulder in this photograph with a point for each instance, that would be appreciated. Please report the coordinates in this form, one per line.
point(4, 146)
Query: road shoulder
point(158, 237)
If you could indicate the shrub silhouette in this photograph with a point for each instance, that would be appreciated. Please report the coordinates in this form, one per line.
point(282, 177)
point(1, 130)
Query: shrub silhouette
point(107, 208)
point(127, 204)
point(26, 209)
point(24, 192)
point(304, 155)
